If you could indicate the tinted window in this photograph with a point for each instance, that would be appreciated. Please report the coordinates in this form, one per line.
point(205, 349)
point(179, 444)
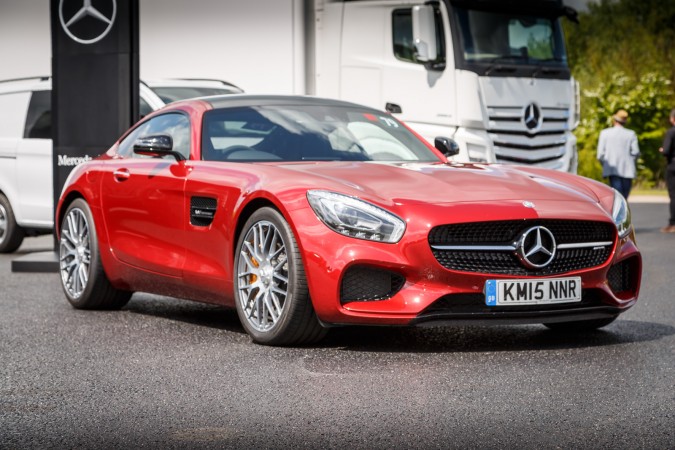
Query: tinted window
point(175, 125)
point(144, 108)
point(510, 37)
point(404, 47)
point(39, 116)
point(308, 133)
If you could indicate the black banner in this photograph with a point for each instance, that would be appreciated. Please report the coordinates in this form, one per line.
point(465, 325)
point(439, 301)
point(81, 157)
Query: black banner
point(94, 79)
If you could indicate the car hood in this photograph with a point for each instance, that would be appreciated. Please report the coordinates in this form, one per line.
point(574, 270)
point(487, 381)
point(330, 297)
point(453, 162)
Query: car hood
point(438, 183)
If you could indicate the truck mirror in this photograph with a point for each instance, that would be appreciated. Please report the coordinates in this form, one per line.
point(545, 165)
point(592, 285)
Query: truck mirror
point(446, 146)
point(424, 33)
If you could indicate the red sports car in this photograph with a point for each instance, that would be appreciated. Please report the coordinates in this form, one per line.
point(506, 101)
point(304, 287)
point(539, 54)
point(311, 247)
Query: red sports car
point(306, 213)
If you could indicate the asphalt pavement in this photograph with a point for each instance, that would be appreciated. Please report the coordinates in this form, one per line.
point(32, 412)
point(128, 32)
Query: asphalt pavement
point(166, 373)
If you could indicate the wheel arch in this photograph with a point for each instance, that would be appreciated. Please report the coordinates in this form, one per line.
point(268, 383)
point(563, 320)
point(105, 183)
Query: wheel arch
point(246, 212)
point(63, 206)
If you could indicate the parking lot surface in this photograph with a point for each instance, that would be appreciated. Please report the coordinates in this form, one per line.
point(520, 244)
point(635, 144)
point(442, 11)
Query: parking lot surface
point(166, 373)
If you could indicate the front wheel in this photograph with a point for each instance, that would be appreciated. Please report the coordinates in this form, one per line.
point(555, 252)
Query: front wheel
point(11, 234)
point(271, 292)
point(82, 277)
point(581, 325)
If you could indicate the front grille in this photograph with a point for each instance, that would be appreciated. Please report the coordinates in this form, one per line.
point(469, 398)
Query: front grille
point(369, 284)
point(475, 304)
point(622, 277)
point(507, 233)
point(513, 142)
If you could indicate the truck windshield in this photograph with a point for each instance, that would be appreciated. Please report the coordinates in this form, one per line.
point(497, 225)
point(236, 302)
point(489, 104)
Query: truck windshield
point(510, 38)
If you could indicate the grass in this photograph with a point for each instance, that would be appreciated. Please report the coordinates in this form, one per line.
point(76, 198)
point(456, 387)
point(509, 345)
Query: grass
point(637, 190)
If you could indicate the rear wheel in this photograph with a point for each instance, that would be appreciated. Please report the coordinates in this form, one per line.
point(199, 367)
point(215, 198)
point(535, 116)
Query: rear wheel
point(11, 234)
point(82, 277)
point(581, 325)
point(271, 292)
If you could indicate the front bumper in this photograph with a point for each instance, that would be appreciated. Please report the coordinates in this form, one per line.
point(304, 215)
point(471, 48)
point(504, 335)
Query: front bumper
point(423, 292)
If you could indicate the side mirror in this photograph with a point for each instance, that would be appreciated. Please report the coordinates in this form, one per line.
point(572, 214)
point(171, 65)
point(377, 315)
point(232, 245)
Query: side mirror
point(157, 146)
point(424, 33)
point(446, 146)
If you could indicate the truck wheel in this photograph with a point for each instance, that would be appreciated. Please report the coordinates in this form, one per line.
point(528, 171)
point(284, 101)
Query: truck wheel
point(82, 277)
point(581, 325)
point(270, 287)
point(11, 234)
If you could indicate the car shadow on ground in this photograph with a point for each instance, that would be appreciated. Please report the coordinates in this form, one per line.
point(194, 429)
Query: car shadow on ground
point(416, 339)
point(201, 314)
point(491, 338)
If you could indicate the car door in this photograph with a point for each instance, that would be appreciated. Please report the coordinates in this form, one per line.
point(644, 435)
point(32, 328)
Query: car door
point(143, 199)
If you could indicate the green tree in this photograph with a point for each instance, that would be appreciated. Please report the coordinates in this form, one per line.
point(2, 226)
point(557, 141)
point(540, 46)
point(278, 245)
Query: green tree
point(623, 55)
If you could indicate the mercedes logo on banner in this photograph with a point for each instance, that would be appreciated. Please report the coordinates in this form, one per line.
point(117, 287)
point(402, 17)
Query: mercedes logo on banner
point(87, 21)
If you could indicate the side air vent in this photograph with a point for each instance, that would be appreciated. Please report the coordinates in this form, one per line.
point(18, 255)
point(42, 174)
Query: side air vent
point(202, 211)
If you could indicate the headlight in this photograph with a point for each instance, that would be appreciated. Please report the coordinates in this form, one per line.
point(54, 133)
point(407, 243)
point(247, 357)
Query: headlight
point(621, 215)
point(355, 218)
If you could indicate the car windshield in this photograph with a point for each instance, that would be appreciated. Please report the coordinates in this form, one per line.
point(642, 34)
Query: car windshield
point(170, 94)
point(510, 38)
point(308, 133)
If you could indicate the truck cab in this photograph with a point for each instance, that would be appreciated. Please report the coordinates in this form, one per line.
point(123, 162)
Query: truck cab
point(492, 75)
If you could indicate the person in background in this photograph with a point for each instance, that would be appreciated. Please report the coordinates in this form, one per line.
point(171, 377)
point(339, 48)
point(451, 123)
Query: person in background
point(617, 152)
point(668, 151)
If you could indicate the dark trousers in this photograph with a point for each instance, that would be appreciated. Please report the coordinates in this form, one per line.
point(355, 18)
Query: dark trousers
point(621, 184)
point(670, 182)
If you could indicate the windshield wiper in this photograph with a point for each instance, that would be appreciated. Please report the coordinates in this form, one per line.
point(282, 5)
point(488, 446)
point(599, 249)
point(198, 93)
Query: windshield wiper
point(495, 66)
point(547, 70)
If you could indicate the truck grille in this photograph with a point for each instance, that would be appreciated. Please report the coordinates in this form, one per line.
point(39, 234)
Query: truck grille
point(491, 247)
point(517, 143)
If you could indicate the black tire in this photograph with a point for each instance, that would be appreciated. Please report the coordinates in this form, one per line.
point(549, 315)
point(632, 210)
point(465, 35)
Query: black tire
point(269, 280)
point(11, 234)
point(82, 276)
point(581, 325)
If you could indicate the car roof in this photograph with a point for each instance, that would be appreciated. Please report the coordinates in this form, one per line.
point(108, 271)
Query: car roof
point(236, 100)
point(25, 84)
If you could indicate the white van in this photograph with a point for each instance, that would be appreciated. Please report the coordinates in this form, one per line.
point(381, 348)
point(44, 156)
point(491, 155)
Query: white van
point(26, 186)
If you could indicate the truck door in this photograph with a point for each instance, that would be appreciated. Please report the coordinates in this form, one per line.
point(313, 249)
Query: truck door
point(379, 66)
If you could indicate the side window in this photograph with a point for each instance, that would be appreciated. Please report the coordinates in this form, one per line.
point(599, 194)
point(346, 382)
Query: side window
point(144, 109)
point(402, 30)
point(175, 125)
point(39, 116)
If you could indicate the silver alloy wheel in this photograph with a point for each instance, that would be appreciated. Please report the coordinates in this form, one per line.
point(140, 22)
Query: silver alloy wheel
point(75, 253)
point(3, 223)
point(262, 275)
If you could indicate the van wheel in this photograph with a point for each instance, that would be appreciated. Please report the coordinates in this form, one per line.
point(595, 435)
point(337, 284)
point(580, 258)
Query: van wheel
point(270, 287)
point(11, 234)
point(82, 277)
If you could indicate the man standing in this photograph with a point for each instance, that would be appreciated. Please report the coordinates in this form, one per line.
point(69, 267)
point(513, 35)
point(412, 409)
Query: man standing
point(668, 151)
point(617, 151)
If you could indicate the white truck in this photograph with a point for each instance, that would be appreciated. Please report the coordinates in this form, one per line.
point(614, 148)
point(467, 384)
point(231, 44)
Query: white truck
point(490, 74)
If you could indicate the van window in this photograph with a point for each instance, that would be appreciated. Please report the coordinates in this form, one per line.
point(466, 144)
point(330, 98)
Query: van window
point(39, 116)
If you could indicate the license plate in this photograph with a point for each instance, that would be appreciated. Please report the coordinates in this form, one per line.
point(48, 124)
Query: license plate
point(532, 292)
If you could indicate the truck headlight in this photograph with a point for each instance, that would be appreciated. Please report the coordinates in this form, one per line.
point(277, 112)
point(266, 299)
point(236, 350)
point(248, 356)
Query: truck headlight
point(355, 218)
point(621, 215)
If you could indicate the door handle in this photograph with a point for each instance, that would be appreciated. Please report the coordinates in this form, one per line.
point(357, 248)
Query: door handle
point(121, 174)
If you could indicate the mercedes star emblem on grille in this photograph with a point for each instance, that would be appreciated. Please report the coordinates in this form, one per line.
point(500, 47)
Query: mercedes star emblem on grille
point(536, 247)
point(532, 116)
